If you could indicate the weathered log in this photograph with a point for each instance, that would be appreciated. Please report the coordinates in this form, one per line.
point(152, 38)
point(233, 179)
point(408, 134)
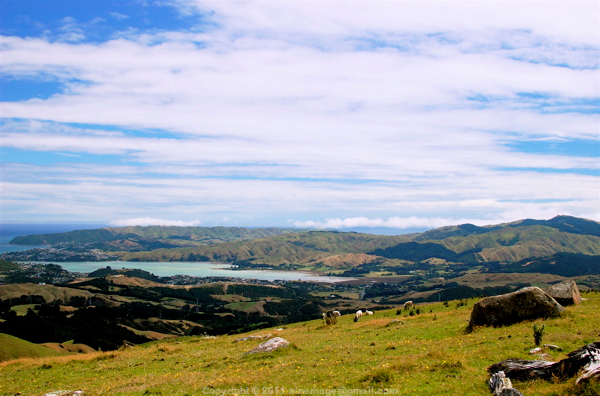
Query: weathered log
point(590, 371)
point(501, 386)
point(586, 358)
point(521, 369)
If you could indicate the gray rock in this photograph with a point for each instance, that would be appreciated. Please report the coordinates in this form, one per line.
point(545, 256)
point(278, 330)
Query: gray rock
point(270, 345)
point(565, 293)
point(525, 304)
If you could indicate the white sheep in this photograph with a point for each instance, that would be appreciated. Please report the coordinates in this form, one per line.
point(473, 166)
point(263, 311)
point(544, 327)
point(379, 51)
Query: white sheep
point(368, 312)
point(357, 315)
point(408, 304)
point(336, 313)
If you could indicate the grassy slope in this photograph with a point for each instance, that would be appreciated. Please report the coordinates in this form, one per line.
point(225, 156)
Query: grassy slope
point(14, 348)
point(200, 234)
point(427, 354)
point(330, 249)
point(49, 292)
point(282, 249)
point(514, 244)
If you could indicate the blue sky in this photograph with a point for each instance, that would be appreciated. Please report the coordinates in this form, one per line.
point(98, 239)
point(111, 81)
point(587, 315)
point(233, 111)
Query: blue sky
point(394, 115)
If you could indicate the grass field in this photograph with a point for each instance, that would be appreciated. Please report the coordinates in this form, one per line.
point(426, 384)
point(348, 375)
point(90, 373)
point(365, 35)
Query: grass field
point(12, 347)
point(426, 354)
point(48, 292)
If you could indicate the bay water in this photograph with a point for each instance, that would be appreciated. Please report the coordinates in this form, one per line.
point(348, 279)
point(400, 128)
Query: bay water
point(199, 269)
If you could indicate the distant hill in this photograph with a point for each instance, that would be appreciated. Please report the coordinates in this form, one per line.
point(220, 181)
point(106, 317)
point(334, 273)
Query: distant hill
point(414, 251)
point(169, 236)
point(508, 242)
point(288, 249)
point(564, 264)
point(15, 348)
point(466, 243)
point(327, 250)
point(513, 243)
point(568, 224)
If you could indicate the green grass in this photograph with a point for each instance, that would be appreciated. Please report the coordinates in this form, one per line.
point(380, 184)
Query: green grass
point(244, 305)
point(14, 348)
point(427, 354)
point(21, 310)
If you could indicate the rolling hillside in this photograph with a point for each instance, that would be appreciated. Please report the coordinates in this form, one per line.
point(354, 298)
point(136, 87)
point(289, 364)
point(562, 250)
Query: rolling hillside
point(422, 354)
point(325, 251)
point(510, 244)
point(158, 236)
point(15, 348)
point(292, 248)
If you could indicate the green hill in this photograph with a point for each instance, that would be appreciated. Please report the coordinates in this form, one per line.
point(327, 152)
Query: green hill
point(48, 293)
point(291, 248)
point(510, 244)
point(564, 264)
point(567, 224)
point(139, 236)
point(326, 251)
point(15, 348)
point(423, 353)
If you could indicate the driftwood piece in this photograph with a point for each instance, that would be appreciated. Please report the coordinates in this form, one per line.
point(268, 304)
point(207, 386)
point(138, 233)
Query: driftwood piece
point(501, 386)
point(553, 347)
point(586, 358)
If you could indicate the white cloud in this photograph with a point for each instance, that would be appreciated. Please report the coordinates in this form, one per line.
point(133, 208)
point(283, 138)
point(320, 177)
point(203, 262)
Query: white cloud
point(118, 16)
point(401, 112)
point(392, 222)
point(524, 212)
point(148, 221)
point(573, 20)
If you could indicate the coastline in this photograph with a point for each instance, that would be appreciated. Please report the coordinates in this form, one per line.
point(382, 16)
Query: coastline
point(197, 269)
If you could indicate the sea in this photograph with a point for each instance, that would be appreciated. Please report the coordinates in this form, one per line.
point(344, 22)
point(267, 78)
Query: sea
point(199, 269)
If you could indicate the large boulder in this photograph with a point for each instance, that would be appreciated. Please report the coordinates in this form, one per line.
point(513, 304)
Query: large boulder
point(565, 293)
point(271, 345)
point(525, 304)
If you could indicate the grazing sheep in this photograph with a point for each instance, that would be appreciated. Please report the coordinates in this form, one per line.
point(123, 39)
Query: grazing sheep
point(336, 313)
point(357, 315)
point(324, 315)
point(368, 312)
point(408, 304)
